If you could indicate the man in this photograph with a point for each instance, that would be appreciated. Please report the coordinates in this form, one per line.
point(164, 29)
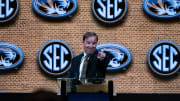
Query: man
point(91, 64)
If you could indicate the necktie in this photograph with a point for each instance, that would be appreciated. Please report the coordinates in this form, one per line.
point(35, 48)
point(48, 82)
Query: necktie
point(84, 69)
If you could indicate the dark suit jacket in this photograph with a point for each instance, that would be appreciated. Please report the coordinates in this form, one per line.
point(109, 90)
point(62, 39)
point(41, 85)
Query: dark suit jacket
point(96, 68)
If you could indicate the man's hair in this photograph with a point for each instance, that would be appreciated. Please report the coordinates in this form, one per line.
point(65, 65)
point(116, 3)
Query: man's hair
point(89, 34)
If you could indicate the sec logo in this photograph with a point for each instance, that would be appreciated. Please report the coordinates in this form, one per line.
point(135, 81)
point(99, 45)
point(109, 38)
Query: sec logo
point(109, 11)
point(55, 57)
point(164, 58)
point(8, 10)
point(55, 8)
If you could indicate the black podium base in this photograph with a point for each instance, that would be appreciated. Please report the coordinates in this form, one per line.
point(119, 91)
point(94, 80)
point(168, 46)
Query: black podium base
point(119, 97)
point(88, 97)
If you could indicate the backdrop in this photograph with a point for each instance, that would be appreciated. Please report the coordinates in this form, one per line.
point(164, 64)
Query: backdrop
point(138, 32)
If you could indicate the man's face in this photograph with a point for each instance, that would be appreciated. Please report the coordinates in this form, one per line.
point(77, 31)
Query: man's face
point(90, 45)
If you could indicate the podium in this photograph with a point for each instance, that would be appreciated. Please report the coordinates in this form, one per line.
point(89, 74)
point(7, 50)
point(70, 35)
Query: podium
point(96, 89)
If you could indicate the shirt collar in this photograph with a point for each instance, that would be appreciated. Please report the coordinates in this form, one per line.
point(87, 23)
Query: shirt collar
point(84, 54)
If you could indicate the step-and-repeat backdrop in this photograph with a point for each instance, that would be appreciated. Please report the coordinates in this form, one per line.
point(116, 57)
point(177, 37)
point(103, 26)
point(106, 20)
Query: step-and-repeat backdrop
point(38, 39)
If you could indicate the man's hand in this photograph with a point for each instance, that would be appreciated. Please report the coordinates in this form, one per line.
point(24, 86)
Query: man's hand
point(101, 55)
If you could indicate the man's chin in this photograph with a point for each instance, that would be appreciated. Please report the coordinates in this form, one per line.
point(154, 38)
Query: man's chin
point(90, 53)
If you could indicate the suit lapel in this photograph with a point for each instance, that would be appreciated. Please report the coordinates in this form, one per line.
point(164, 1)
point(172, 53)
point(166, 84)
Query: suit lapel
point(78, 63)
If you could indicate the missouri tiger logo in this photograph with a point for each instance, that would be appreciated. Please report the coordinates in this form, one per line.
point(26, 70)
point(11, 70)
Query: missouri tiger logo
point(121, 56)
point(55, 8)
point(11, 56)
point(162, 8)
